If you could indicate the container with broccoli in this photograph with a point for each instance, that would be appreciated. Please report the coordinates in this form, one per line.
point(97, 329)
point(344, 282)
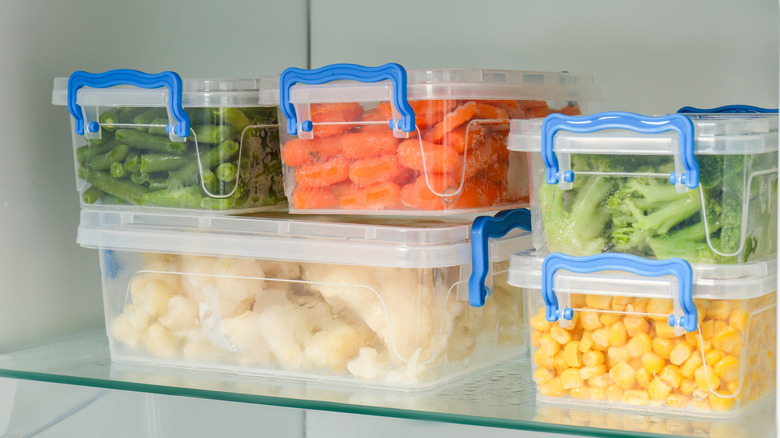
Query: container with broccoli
point(699, 187)
point(158, 141)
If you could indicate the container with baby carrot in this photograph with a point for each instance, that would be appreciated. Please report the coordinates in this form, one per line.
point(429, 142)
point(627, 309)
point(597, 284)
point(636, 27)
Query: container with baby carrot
point(384, 140)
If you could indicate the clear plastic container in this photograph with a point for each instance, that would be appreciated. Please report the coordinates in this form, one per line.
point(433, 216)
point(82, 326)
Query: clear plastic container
point(702, 187)
point(158, 141)
point(349, 302)
point(618, 331)
point(381, 140)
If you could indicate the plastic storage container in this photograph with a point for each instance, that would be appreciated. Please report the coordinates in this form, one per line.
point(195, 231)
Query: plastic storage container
point(379, 140)
point(619, 331)
point(344, 302)
point(159, 141)
point(702, 187)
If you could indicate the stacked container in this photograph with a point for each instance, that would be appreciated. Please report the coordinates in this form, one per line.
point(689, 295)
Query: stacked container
point(374, 299)
point(653, 283)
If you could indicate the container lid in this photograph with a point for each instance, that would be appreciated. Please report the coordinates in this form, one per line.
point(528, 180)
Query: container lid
point(463, 84)
point(714, 134)
point(195, 93)
point(719, 282)
point(364, 241)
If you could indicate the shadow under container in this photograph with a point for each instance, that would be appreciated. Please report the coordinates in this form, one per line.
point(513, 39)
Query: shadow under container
point(356, 302)
point(663, 336)
point(384, 140)
point(157, 141)
point(702, 187)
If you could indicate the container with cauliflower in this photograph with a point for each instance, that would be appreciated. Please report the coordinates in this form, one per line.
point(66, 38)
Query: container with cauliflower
point(348, 302)
point(617, 331)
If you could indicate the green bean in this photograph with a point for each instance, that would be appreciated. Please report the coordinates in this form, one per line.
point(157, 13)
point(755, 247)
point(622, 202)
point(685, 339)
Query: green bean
point(226, 172)
point(103, 161)
point(84, 153)
point(91, 195)
point(118, 170)
point(132, 162)
point(187, 197)
point(108, 120)
point(160, 162)
point(121, 188)
point(147, 142)
point(188, 174)
point(212, 134)
point(139, 178)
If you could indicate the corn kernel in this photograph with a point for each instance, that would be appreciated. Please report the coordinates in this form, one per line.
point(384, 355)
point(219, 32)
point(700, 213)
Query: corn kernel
point(559, 362)
point(727, 368)
point(536, 335)
point(575, 323)
point(548, 345)
point(663, 329)
point(614, 393)
point(707, 329)
point(586, 342)
point(639, 305)
point(620, 303)
point(592, 358)
point(733, 386)
point(602, 302)
point(676, 401)
point(598, 393)
point(662, 347)
point(720, 401)
point(588, 373)
point(739, 320)
point(687, 387)
point(658, 389)
point(609, 318)
point(618, 354)
point(543, 360)
point(660, 307)
point(680, 353)
point(671, 375)
point(617, 334)
point(692, 338)
point(539, 322)
point(726, 338)
point(560, 335)
point(643, 377)
point(623, 375)
point(636, 325)
point(720, 309)
point(590, 320)
point(713, 356)
point(601, 338)
point(552, 388)
point(542, 376)
point(572, 355)
point(577, 300)
point(689, 366)
point(635, 397)
point(640, 344)
point(602, 381)
point(653, 362)
point(580, 392)
point(706, 379)
point(571, 379)
point(636, 363)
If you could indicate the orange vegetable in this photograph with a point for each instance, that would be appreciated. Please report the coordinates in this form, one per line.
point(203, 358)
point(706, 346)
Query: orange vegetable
point(297, 152)
point(426, 112)
point(373, 170)
point(438, 158)
point(378, 196)
point(419, 195)
point(570, 110)
point(322, 174)
point(374, 115)
point(315, 198)
point(477, 192)
point(463, 114)
point(457, 137)
point(368, 144)
point(334, 113)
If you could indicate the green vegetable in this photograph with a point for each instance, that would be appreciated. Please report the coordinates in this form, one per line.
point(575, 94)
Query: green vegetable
point(147, 142)
point(139, 178)
point(187, 197)
point(118, 170)
point(133, 162)
point(108, 120)
point(103, 161)
point(158, 130)
point(188, 174)
point(212, 134)
point(159, 162)
point(84, 153)
point(148, 116)
point(226, 172)
point(91, 195)
point(121, 188)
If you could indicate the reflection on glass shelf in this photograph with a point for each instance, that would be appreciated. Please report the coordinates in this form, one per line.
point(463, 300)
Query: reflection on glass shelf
point(502, 396)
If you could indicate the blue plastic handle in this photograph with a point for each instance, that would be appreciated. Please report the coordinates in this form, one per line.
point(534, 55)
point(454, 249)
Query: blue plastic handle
point(727, 109)
point(484, 228)
point(620, 262)
point(393, 72)
point(130, 77)
point(620, 120)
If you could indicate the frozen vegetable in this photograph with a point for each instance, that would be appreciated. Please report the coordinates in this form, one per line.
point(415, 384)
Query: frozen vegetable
point(229, 161)
point(461, 142)
point(646, 216)
point(384, 325)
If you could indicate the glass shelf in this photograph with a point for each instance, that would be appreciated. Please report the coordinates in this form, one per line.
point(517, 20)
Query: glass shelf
point(483, 399)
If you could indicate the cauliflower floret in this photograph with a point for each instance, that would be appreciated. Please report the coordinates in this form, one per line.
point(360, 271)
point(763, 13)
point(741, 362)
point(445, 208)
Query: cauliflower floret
point(280, 269)
point(243, 331)
point(125, 333)
point(336, 345)
point(150, 292)
point(228, 285)
point(370, 364)
point(182, 314)
point(282, 327)
point(412, 373)
point(161, 342)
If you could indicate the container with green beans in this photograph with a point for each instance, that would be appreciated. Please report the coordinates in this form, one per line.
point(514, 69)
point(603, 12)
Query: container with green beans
point(158, 141)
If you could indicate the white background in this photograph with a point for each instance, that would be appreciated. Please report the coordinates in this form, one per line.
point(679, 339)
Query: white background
point(652, 57)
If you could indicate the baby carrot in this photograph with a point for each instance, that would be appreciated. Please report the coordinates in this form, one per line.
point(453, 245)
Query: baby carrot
point(297, 152)
point(335, 113)
point(428, 194)
point(374, 115)
point(373, 170)
point(477, 192)
point(322, 174)
point(570, 110)
point(426, 112)
point(315, 198)
point(438, 158)
point(378, 196)
point(368, 144)
point(463, 114)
